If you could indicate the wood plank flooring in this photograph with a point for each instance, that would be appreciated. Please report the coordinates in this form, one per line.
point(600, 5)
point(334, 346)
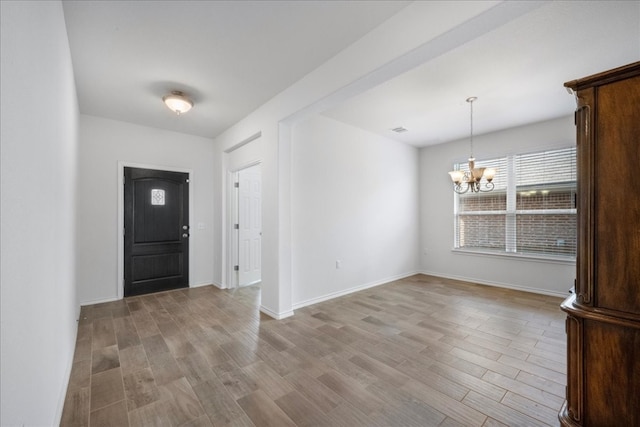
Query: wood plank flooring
point(422, 351)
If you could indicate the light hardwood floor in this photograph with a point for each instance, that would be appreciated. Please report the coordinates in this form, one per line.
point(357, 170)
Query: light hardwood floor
point(422, 351)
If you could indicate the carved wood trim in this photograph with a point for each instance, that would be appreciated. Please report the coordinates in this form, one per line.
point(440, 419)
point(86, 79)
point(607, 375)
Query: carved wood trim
point(585, 205)
point(602, 315)
point(565, 418)
point(574, 368)
point(605, 77)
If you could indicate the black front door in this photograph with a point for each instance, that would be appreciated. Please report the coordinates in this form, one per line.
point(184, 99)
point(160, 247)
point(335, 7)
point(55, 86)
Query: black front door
point(156, 234)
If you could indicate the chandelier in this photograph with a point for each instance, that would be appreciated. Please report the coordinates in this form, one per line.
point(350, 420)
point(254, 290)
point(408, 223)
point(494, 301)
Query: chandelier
point(472, 179)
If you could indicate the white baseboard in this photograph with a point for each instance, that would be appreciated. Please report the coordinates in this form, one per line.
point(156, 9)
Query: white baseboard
point(498, 284)
point(63, 392)
point(199, 285)
point(99, 301)
point(111, 299)
point(67, 375)
point(277, 316)
point(348, 291)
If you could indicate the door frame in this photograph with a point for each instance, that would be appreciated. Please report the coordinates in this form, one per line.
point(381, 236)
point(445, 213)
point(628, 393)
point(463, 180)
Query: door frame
point(121, 166)
point(231, 219)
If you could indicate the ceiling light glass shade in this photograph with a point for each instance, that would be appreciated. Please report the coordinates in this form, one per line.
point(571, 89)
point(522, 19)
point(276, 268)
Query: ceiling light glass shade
point(477, 173)
point(489, 173)
point(456, 176)
point(177, 102)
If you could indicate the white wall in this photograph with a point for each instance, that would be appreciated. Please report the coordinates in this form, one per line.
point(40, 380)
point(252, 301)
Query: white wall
point(436, 211)
point(39, 119)
point(419, 32)
point(104, 143)
point(355, 200)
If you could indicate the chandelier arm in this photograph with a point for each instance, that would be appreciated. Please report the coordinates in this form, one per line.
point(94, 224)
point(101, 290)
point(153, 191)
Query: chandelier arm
point(489, 187)
point(458, 188)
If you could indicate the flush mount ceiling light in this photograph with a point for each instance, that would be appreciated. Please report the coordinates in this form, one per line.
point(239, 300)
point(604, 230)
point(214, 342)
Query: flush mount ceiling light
point(178, 102)
point(472, 178)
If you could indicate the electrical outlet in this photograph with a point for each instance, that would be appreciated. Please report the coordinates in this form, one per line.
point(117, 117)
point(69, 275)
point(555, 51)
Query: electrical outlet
point(338, 264)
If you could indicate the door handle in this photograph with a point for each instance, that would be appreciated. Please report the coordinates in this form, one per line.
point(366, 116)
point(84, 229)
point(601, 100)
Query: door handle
point(185, 235)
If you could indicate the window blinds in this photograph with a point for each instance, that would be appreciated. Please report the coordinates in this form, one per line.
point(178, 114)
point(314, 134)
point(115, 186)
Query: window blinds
point(554, 167)
point(530, 212)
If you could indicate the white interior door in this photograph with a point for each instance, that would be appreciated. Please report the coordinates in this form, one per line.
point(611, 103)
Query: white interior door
point(249, 226)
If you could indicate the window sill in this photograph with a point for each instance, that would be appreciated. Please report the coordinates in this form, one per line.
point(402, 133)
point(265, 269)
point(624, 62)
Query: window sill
point(568, 260)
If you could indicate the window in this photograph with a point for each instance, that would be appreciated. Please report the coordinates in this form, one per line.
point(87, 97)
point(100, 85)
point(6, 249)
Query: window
point(531, 210)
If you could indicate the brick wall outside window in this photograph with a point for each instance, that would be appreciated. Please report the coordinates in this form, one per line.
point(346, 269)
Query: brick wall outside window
point(482, 231)
point(483, 202)
point(546, 234)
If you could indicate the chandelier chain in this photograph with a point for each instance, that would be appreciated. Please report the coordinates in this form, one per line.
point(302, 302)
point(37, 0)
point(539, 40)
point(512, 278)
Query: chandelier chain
point(470, 101)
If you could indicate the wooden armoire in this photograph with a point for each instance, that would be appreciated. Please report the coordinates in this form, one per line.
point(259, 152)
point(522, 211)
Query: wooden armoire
point(603, 314)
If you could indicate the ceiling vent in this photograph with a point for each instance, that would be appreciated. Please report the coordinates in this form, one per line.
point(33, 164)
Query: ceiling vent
point(399, 129)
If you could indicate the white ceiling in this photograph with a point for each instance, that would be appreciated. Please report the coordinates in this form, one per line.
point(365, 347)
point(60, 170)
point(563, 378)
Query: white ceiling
point(230, 57)
point(233, 56)
point(517, 71)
